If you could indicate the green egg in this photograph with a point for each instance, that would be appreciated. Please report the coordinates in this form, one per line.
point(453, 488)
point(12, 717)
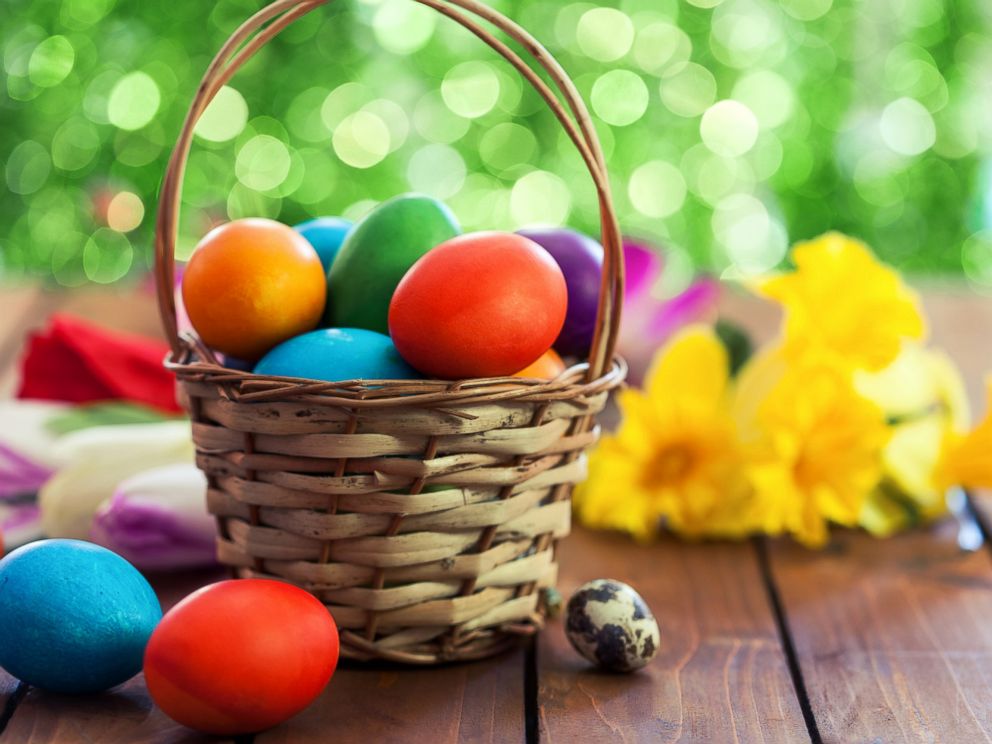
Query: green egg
point(377, 253)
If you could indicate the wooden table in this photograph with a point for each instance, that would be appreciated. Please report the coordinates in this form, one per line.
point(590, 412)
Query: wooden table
point(762, 641)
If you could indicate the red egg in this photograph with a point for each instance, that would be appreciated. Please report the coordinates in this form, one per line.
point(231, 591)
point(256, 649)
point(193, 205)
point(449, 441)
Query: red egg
point(241, 656)
point(485, 304)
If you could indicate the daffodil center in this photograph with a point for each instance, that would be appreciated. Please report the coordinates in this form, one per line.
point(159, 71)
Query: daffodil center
point(672, 464)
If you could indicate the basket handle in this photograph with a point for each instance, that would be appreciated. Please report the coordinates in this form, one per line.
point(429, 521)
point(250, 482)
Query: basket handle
point(258, 30)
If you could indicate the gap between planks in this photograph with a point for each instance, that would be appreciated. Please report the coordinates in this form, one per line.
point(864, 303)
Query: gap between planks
point(721, 674)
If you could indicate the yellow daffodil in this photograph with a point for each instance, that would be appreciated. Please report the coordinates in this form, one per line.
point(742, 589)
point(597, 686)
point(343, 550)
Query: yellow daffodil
point(842, 303)
point(813, 447)
point(925, 402)
point(966, 460)
point(674, 458)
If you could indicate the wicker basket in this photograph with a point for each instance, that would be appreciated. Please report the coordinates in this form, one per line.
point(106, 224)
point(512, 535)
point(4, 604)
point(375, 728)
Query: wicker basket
point(424, 514)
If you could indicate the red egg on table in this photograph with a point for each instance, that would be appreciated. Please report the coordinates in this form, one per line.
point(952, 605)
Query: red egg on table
point(485, 304)
point(241, 656)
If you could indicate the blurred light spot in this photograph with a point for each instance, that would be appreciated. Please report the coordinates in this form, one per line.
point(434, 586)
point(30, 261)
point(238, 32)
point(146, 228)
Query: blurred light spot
point(74, 145)
point(704, 3)
point(767, 157)
point(435, 122)
point(97, 94)
point(303, 117)
point(619, 97)
point(874, 179)
point(470, 89)
point(342, 102)
point(678, 274)
point(395, 119)
point(359, 209)
point(507, 146)
point(107, 256)
point(28, 167)
point(662, 47)
point(907, 127)
point(243, 201)
point(742, 32)
point(133, 102)
point(754, 242)
point(806, 10)
point(729, 128)
point(690, 91)
point(225, 117)
point(605, 34)
point(84, 13)
point(138, 149)
point(657, 189)
point(320, 177)
point(67, 260)
point(263, 163)
point(125, 212)
point(436, 170)
point(51, 61)
point(540, 198)
point(768, 95)
point(403, 27)
point(976, 258)
point(362, 140)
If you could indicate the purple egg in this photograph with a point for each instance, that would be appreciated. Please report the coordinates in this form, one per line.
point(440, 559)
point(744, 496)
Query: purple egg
point(581, 261)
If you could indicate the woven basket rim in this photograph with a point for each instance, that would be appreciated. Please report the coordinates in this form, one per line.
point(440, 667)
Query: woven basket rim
point(198, 363)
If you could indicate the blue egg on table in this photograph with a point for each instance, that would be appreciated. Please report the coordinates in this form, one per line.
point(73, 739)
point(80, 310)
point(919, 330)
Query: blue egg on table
point(325, 234)
point(337, 354)
point(74, 617)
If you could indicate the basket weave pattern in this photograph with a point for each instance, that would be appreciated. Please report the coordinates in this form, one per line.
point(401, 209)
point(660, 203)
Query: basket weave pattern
point(423, 513)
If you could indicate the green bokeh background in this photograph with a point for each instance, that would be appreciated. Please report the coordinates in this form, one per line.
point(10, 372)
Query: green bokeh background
point(732, 127)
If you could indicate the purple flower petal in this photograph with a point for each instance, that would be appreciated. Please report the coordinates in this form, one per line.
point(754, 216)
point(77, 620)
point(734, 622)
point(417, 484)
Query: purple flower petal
point(643, 266)
point(158, 520)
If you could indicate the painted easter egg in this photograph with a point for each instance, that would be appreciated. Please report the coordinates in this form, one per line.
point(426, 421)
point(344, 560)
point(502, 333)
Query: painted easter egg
point(485, 304)
point(251, 284)
point(609, 624)
point(241, 656)
point(325, 234)
point(546, 367)
point(581, 261)
point(377, 253)
point(336, 354)
point(74, 617)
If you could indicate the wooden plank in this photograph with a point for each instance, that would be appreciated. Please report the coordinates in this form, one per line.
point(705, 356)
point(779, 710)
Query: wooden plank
point(130, 309)
point(478, 702)
point(125, 713)
point(721, 674)
point(892, 636)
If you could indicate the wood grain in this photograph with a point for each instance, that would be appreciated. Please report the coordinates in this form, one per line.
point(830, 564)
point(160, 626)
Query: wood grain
point(479, 702)
point(721, 674)
point(892, 637)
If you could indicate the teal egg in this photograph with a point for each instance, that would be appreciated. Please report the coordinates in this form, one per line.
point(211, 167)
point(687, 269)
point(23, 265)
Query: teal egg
point(325, 234)
point(74, 617)
point(337, 354)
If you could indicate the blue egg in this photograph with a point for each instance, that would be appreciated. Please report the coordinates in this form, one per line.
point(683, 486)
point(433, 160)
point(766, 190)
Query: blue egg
point(325, 234)
point(74, 617)
point(337, 354)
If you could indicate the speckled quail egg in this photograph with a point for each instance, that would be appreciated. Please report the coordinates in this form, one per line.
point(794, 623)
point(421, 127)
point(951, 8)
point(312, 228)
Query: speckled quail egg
point(611, 626)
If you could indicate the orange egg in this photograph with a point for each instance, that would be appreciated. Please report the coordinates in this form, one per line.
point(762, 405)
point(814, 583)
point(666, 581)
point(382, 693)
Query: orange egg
point(547, 367)
point(251, 284)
